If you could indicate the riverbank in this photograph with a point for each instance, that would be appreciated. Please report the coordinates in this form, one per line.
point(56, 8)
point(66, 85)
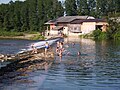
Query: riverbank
point(25, 36)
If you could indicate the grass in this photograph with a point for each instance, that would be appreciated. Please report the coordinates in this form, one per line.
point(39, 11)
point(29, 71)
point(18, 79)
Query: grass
point(37, 37)
point(21, 35)
point(11, 34)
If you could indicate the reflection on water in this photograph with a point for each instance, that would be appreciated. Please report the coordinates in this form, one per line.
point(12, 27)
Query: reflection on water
point(97, 68)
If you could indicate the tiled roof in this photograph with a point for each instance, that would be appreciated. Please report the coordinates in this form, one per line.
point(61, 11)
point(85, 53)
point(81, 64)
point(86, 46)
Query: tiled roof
point(67, 19)
point(71, 18)
point(78, 21)
point(51, 22)
point(57, 27)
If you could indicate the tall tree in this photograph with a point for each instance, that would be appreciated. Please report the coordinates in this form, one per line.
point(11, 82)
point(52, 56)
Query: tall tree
point(25, 17)
point(29, 15)
point(59, 10)
point(83, 8)
point(11, 15)
point(70, 7)
point(17, 16)
point(6, 22)
point(101, 7)
point(33, 14)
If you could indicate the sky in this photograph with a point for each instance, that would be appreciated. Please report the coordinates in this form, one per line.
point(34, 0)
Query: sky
point(7, 1)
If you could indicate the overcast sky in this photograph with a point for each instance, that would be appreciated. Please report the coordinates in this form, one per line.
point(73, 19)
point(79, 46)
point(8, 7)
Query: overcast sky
point(7, 1)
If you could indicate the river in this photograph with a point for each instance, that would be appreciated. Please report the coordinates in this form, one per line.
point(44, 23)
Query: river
point(96, 68)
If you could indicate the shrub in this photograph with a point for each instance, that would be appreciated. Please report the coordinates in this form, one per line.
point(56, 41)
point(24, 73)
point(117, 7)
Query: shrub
point(117, 35)
point(38, 37)
point(98, 34)
point(6, 33)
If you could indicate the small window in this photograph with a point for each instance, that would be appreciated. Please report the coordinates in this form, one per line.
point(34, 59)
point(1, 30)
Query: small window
point(75, 28)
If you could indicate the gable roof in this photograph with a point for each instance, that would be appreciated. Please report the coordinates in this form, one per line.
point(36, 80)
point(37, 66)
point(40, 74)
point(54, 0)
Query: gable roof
point(51, 22)
point(71, 18)
point(68, 19)
point(58, 28)
point(78, 21)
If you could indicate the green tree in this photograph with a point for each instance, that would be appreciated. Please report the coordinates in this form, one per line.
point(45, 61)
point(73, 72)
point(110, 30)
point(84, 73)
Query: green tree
point(17, 16)
point(33, 16)
point(29, 15)
point(6, 22)
point(60, 10)
point(86, 7)
point(70, 7)
point(25, 17)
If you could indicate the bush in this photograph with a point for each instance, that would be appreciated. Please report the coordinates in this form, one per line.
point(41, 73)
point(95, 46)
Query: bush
point(117, 35)
point(38, 37)
point(98, 34)
point(6, 33)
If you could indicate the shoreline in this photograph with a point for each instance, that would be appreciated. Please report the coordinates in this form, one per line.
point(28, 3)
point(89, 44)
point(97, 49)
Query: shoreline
point(24, 37)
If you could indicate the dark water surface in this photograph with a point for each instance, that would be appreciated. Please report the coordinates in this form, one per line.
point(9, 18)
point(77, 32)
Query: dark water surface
point(97, 68)
point(14, 46)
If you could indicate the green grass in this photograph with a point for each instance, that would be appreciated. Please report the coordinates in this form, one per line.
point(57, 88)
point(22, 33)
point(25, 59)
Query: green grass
point(11, 34)
point(37, 37)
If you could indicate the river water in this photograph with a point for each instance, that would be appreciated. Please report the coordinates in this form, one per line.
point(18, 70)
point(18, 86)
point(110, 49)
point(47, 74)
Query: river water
point(97, 68)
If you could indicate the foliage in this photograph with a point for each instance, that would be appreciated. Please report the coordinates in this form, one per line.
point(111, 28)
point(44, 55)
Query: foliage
point(113, 31)
point(96, 8)
point(38, 37)
point(70, 7)
point(114, 28)
point(9, 33)
point(87, 36)
point(29, 15)
point(117, 35)
point(98, 34)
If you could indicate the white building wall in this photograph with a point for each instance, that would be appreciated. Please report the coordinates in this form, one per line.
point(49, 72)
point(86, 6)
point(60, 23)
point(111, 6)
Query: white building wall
point(88, 27)
point(65, 30)
point(53, 32)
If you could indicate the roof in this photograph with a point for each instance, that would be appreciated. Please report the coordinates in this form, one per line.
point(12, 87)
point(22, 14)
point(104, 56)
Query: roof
point(51, 22)
point(68, 19)
point(58, 28)
point(78, 21)
point(71, 18)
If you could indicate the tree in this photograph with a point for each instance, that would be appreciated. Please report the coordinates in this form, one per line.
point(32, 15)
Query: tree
point(33, 16)
point(6, 22)
point(25, 17)
point(70, 7)
point(83, 8)
point(17, 16)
